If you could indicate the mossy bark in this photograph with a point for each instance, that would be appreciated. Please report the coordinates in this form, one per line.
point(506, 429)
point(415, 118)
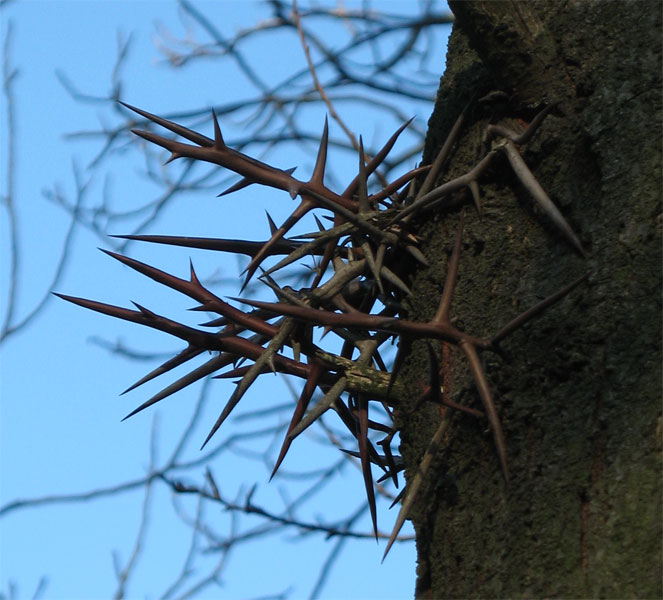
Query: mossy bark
point(580, 397)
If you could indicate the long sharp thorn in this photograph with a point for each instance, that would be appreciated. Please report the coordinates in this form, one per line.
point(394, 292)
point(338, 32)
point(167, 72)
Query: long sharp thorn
point(217, 244)
point(232, 401)
point(219, 144)
point(442, 313)
point(300, 409)
point(245, 182)
point(377, 159)
point(396, 185)
point(410, 492)
point(106, 309)
point(391, 463)
point(321, 407)
point(536, 310)
point(145, 317)
point(321, 227)
point(210, 366)
point(192, 275)
point(272, 225)
point(152, 272)
point(372, 264)
point(254, 370)
point(488, 403)
point(476, 195)
point(417, 254)
point(304, 207)
point(395, 280)
point(362, 192)
point(186, 133)
point(427, 185)
point(362, 437)
point(327, 255)
point(240, 185)
point(320, 162)
point(526, 136)
point(530, 183)
point(176, 361)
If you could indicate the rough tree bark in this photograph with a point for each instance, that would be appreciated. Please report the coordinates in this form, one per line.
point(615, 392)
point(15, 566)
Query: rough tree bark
point(580, 399)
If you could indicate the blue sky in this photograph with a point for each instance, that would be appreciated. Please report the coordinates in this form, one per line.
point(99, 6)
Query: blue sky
point(60, 409)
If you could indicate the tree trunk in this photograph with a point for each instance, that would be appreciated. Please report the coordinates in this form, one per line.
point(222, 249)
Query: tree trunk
point(580, 396)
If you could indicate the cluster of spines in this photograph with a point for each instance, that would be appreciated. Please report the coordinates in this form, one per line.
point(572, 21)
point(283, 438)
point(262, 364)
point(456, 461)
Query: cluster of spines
point(368, 236)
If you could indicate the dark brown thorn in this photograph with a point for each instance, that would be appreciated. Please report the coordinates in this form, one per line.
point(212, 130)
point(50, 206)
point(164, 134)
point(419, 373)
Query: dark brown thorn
point(362, 184)
point(390, 325)
point(380, 461)
point(239, 372)
point(217, 244)
point(535, 310)
point(176, 361)
point(488, 403)
point(219, 144)
point(350, 421)
point(246, 181)
point(362, 438)
point(146, 311)
point(173, 156)
point(272, 225)
point(157, 275)
point(392, 469)
point(203, 370)
point(240, 185)
point(377, 159)
point(322, 406)
point(265, 358)
point(394, 502)
point(193, 278)
point(318, 176)
point(442, 313)
point(194, 290)
point(304, 207)
point(188, 134)
point(302, 404)
point(111, 310)
point(327, 255)
point(427, 392)
point(159, 140)
point(220, 322)
point(319, 224)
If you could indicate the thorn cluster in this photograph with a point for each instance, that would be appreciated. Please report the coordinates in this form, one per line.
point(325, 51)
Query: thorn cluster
point(356, 292)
